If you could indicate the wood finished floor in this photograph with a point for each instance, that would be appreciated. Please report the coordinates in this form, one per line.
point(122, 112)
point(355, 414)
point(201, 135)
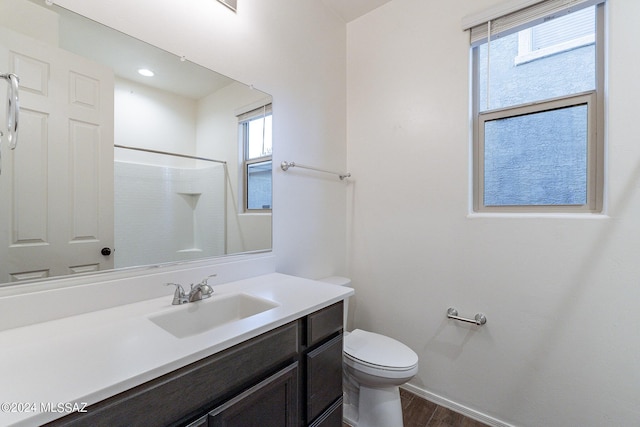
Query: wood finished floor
point(418, 412)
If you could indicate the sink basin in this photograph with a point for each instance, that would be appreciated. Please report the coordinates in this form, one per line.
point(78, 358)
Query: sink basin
point(201, 316)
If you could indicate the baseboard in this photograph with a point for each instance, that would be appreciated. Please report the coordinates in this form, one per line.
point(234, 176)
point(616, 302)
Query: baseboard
point(449, 404)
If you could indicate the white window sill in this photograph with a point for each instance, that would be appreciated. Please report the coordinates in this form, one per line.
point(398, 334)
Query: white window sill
point(527, 215)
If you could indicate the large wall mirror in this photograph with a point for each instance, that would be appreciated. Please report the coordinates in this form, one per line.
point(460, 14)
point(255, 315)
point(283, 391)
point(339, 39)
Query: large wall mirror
point(114, 169)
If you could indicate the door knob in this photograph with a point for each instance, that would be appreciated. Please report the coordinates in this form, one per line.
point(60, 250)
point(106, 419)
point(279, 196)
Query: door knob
point(106, 251)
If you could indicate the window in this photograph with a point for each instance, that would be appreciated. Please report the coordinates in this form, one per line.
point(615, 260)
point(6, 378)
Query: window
point(256, 143)
point(556, 36)
point(538, 142)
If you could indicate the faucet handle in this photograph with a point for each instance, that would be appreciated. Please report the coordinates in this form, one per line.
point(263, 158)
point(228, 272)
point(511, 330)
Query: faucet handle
point(200, 291)
point(206, 279)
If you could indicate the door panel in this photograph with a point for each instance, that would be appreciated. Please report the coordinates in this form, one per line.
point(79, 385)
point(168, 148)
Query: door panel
point(60, 177)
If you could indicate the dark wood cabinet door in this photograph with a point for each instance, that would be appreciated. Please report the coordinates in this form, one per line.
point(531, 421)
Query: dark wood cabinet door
point(271, 403)
point(324, 377)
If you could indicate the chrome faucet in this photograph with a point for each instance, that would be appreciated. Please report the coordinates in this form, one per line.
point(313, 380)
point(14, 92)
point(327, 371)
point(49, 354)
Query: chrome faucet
point(196, 293)
point(179, 296)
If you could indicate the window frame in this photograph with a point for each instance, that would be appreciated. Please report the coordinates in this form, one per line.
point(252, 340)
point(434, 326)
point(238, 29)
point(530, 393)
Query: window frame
point(595, 144)
point(526, 53)
point(243, 125)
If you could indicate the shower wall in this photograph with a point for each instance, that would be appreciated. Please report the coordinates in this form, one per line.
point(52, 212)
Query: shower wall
point(166, 214)
point(166, 208)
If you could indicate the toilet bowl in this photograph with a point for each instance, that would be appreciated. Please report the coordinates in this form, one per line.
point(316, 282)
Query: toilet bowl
point(374, 366)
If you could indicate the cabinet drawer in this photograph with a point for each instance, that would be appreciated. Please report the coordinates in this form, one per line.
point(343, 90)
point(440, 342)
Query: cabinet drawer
point(271, 403)
point(332, 417)
point(324, 323)
point(324, 377)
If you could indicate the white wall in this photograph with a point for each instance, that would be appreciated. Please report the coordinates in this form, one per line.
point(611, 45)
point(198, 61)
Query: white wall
point(217, 138)
point(146, 117)
point(294, 50)
point(561, 295)
point(30, 19)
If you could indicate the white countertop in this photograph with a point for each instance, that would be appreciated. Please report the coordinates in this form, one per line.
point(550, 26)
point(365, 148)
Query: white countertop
point(80, 360)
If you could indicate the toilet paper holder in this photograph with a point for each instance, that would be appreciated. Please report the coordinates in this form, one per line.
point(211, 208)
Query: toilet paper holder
point(479, 319)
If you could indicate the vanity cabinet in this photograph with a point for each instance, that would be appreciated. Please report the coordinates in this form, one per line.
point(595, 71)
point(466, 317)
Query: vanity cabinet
point(271, 403)
point(290, 376)
point(323, 366)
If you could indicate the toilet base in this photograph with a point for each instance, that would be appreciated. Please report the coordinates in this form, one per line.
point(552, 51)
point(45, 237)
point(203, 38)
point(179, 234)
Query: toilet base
point(377, 407)
point(350, 414)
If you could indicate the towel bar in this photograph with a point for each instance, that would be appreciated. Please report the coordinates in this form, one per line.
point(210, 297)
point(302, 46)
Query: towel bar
point(479, 319)
point(286, 165)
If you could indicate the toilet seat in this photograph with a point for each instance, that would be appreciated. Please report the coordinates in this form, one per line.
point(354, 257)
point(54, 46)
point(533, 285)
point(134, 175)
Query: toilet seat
point(374, 352)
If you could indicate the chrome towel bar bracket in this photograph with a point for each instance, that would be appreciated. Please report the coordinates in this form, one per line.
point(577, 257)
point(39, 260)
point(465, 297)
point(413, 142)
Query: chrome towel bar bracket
point(479, 319)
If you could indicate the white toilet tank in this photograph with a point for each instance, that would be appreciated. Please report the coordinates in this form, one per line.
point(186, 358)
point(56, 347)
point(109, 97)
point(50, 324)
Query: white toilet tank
point(340, 281)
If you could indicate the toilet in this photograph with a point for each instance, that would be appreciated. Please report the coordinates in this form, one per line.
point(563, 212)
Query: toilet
point(374, 367)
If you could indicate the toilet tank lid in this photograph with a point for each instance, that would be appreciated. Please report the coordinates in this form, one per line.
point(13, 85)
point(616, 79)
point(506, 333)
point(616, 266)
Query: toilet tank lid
point(336, 280)
point(376, 349)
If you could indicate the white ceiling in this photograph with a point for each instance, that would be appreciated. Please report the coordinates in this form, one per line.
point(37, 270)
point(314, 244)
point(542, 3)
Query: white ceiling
point(349, 10)
point(125, 55)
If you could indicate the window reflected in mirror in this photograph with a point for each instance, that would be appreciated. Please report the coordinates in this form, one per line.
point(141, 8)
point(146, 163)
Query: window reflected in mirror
point(256, 144)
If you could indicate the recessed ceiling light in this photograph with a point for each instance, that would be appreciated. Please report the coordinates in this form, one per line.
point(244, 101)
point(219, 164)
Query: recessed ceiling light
point(145, 72)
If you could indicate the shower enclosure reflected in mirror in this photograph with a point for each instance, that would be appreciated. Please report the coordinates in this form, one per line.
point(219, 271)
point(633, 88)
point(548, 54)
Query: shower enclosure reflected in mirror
point(117, 169)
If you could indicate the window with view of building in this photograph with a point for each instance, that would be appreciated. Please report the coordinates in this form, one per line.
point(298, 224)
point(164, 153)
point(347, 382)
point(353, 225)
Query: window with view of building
point(255, 137)
point(538, 109)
